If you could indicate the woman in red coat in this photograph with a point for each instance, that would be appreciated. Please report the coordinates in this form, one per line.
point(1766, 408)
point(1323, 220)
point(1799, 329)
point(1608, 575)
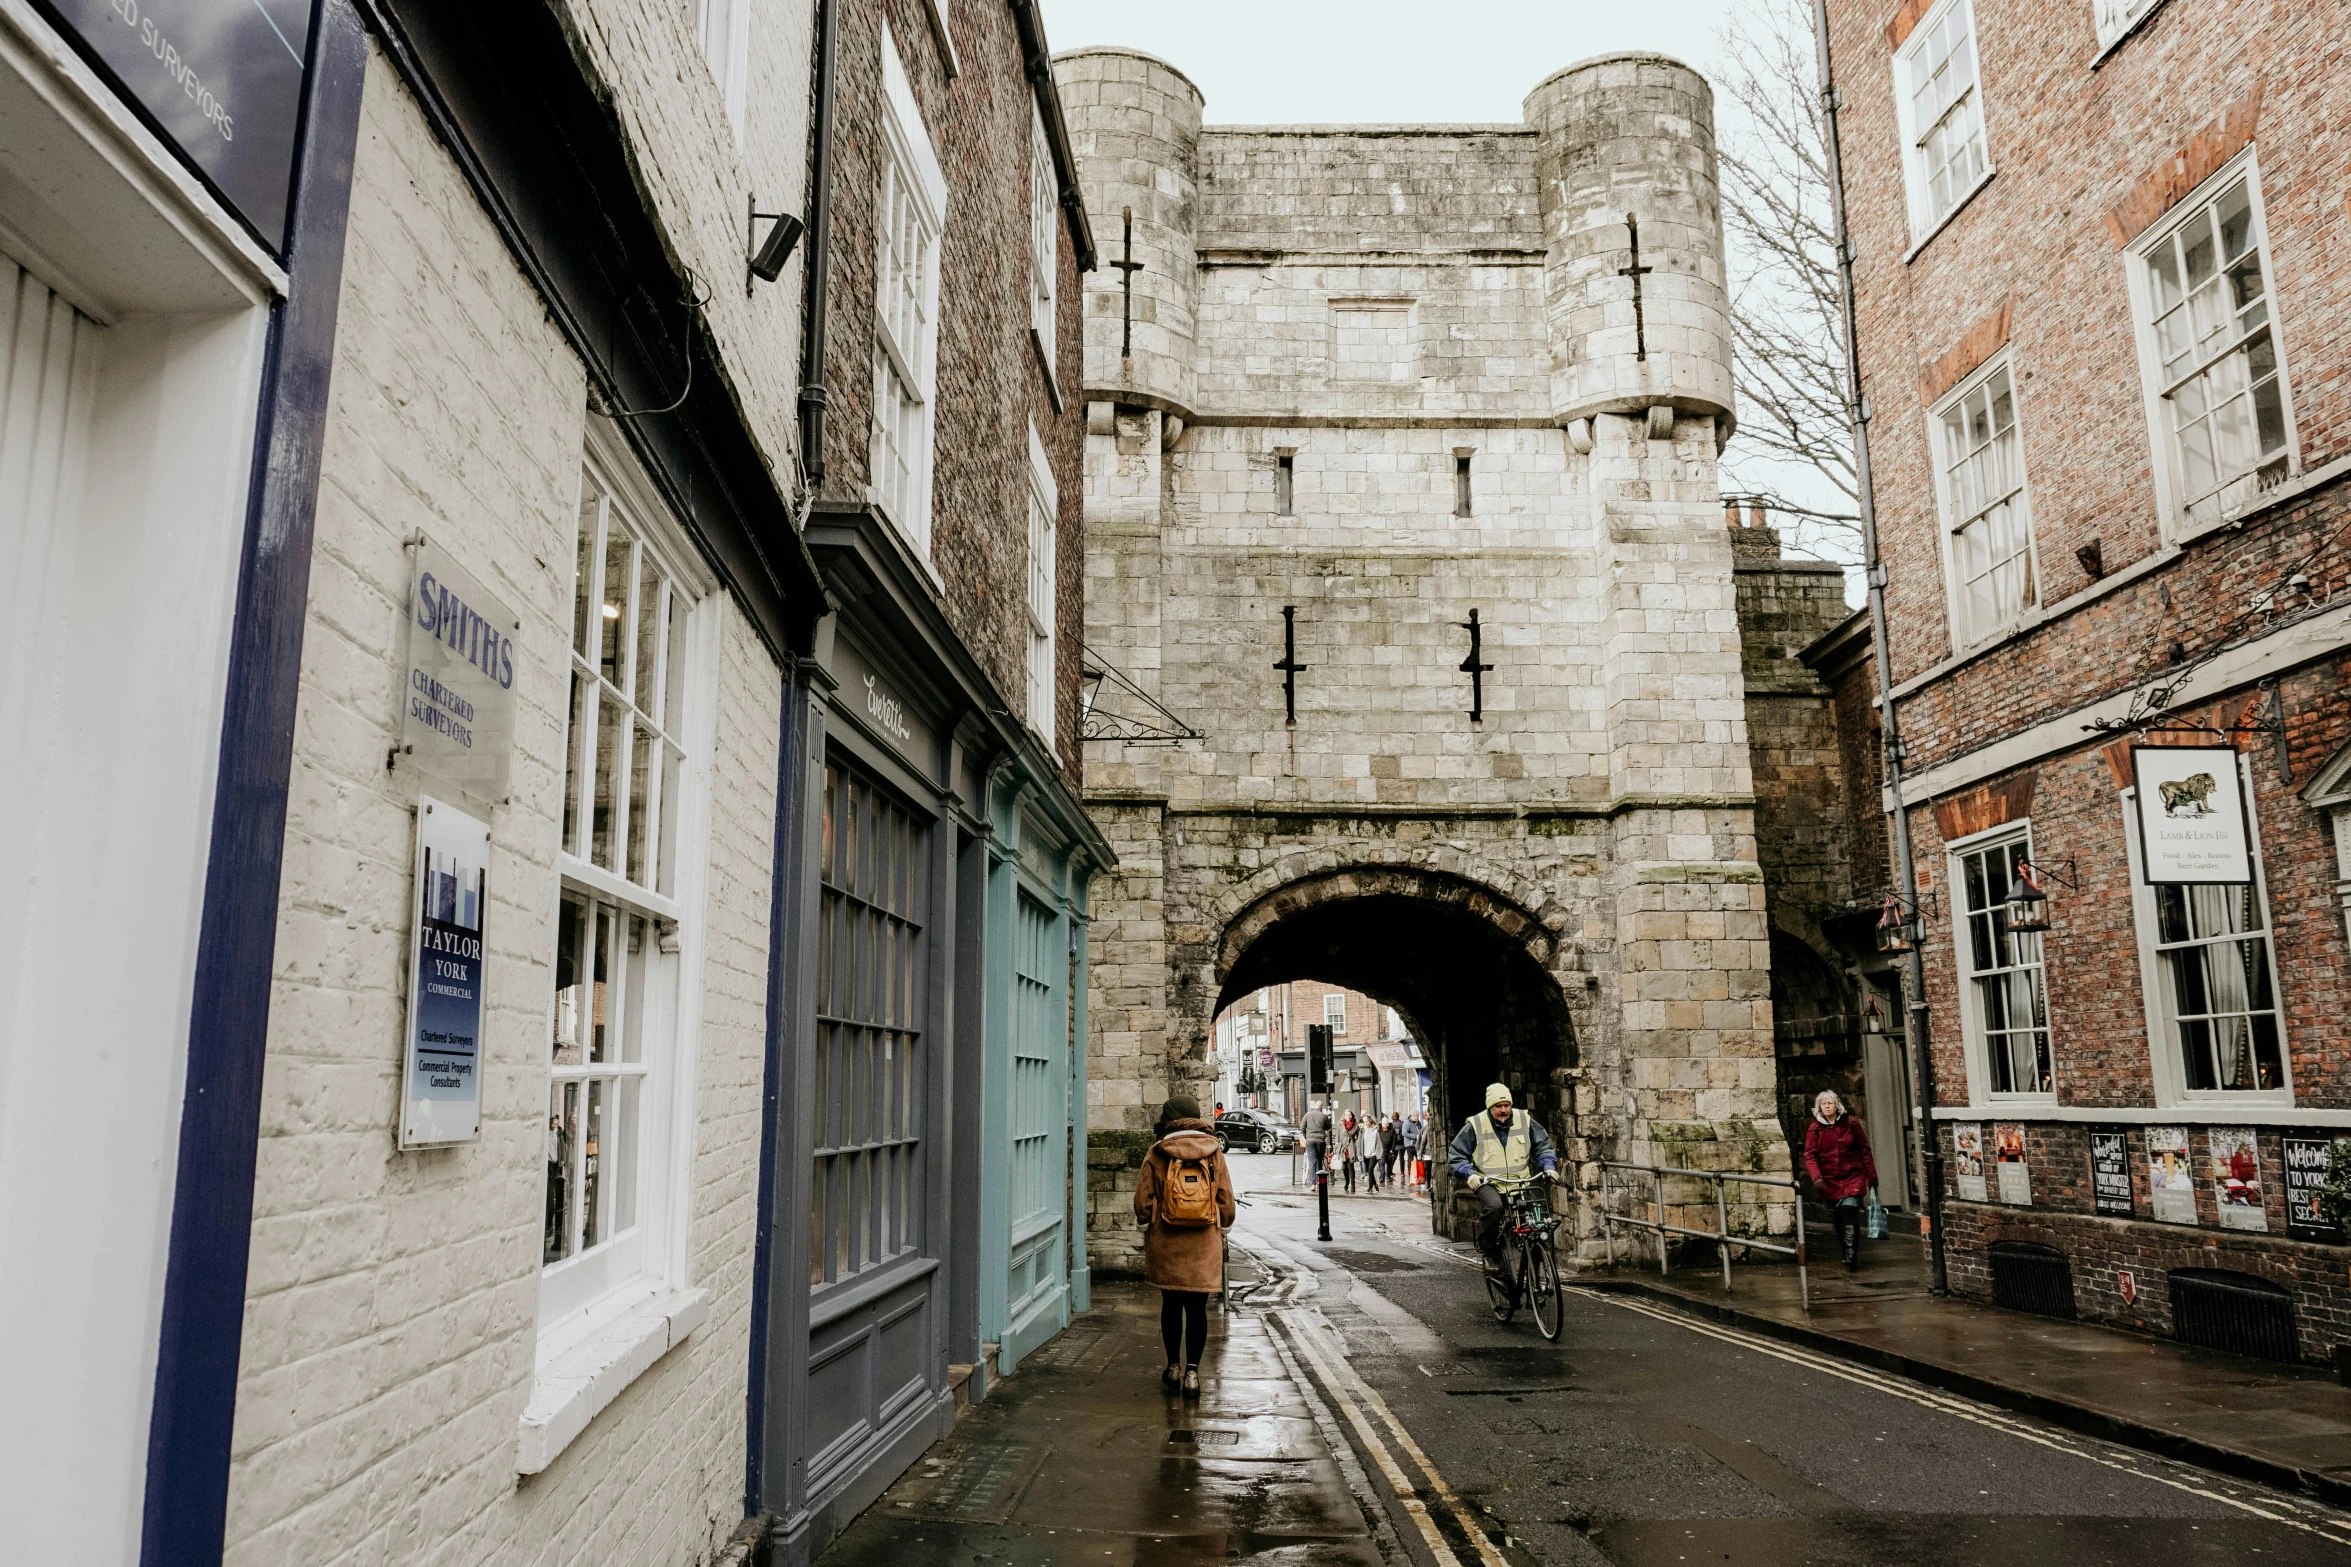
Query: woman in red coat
point(1837, 1158)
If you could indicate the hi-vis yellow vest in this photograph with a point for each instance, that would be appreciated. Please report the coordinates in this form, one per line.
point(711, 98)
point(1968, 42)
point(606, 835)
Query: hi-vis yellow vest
point(1507, 1158)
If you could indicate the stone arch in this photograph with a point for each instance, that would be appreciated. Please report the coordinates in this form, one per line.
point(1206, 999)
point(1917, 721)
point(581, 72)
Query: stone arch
point(1532, 899)
point(1483, 979)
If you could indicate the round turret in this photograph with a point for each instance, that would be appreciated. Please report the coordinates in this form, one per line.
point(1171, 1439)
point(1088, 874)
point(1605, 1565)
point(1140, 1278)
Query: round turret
point(1134, 121)
point(1625, 158)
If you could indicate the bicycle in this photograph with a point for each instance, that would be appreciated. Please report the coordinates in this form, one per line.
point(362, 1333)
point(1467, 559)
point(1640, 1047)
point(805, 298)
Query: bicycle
point(1530, 1266)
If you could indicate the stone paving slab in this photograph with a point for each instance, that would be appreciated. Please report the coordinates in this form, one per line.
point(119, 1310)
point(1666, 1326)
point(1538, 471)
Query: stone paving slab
point(1080, 1458)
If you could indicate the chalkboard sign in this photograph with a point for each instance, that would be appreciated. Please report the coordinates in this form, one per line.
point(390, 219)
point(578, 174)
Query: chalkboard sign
point(2306, 1171)
point(221, 80)
point(2110, 1173)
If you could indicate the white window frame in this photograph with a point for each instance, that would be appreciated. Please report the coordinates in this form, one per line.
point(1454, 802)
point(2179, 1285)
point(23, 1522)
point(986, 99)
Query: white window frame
point(594, 1288)
point(1044, 241)
point(1334, 1013)
point(1043, 599)
point(1925, 217)
point(723, 28)
point(2116, 18)
point(1965, 633)
point(2169, 1068)
point(1971, 1013)
point(2243, 490)
point(906, 351)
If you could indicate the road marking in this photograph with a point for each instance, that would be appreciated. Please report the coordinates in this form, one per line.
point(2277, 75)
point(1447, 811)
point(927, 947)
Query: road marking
point(1321, 1342)
point(2331, 1529)
point(1407, 1495)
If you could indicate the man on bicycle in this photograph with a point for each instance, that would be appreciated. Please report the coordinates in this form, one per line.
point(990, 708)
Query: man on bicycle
point(1498, 1144)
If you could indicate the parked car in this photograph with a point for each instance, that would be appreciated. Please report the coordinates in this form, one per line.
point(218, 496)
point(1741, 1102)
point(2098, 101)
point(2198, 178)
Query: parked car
point(1255, 1131)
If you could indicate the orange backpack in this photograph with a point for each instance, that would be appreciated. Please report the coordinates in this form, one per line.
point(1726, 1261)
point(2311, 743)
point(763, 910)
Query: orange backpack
point(1187, 1197)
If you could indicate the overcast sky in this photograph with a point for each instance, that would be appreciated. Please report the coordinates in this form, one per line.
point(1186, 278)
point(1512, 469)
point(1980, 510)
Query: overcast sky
point(1271, 62)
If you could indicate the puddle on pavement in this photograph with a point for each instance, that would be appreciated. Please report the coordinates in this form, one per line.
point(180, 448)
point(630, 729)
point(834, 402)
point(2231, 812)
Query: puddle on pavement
point(1372, 1262)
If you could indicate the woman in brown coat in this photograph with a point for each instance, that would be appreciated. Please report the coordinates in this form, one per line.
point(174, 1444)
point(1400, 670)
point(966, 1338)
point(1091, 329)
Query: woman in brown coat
point(1186, 1262)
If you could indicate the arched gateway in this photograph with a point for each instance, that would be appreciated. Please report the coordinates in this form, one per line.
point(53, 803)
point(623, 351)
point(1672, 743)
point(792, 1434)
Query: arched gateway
point(1401, 509)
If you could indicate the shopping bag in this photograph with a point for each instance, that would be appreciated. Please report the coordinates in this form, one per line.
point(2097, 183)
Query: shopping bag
point(1877, 1217)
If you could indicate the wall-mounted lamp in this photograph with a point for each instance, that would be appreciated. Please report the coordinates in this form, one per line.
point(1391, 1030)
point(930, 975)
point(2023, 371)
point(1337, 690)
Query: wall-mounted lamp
point(1898, 927)
point(765, 259)
point(2027, 907)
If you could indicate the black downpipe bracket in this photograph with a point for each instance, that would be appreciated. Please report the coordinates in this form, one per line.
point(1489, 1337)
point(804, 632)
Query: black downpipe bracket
point(1905, 865)
point(813, 396)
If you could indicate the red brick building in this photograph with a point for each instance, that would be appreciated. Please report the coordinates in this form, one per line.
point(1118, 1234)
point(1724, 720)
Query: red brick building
point(2102, 300)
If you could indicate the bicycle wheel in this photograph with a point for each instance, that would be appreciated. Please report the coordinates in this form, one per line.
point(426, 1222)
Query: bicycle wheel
point(1500, 1294)
point(1543, 1293)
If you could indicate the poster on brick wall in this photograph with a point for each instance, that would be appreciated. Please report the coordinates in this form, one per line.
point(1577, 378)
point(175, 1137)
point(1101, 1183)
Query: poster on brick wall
point(2016, 1177)
point(2307, 1161)
point(441, 1086)
point(2171, 1185)
point(1967, 1159)
point(2191, 815)
point(2236, 1178)
point(2110, 1174)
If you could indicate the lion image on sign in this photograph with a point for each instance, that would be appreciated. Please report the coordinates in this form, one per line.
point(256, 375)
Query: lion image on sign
point(2190, 796)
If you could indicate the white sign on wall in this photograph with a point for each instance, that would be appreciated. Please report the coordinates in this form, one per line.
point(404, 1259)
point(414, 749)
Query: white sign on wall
point(457, 690)
point(440, 1079)
point(2191, 815)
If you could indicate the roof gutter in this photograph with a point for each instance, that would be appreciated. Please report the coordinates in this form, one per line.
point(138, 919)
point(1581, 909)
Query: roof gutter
point(1037, 59)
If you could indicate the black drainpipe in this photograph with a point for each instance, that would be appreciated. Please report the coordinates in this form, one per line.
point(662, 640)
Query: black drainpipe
point(820, 249)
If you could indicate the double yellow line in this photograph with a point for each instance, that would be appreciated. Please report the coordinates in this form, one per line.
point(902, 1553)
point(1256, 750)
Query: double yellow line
point(1319, 1345)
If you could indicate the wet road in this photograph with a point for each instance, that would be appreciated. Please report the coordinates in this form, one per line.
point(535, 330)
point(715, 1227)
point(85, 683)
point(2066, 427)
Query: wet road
point(1643, 1437)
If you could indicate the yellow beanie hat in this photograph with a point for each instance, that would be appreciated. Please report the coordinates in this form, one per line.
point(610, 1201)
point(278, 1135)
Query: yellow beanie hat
point(1497, 1094)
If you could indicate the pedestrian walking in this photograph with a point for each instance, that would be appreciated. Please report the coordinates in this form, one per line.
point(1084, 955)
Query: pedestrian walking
point(1391, 1145)
point(1349, 1139)
point(1369, 1137)
point(1184, 1201)
point(1842, 1169)
point(1317, 1127)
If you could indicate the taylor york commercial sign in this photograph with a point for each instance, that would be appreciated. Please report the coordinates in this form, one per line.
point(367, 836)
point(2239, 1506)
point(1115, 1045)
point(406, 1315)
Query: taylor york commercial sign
point(457, 693)
point(223, 81)
point(441, 1081)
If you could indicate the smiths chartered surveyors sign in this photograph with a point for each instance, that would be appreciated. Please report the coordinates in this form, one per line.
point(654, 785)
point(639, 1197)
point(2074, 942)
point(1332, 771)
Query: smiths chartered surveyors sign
point(441, 1084)
point(2191, 809)
point(221, 80)
point(457, 692)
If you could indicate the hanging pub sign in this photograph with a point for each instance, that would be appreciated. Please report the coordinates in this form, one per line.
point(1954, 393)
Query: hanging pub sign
point(441, 1083)
point(2191, 815)
point(2307, 1161)
point(2110, 1173)
point(457, 691)
point(220, 79)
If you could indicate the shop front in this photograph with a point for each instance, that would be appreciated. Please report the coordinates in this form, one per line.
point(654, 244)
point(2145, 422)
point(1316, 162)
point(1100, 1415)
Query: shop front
point(928, 1097)
point(2140, 1027)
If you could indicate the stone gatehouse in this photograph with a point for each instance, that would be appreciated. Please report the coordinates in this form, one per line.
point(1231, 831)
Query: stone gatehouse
point(1401, 498)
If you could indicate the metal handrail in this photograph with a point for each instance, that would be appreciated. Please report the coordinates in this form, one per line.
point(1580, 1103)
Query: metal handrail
point(1722, 1237)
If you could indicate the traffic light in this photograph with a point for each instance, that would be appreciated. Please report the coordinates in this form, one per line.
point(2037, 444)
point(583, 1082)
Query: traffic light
point(1318, 1058)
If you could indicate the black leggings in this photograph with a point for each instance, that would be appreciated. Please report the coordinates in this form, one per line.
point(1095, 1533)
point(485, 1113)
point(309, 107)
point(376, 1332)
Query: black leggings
point(1183, 1318)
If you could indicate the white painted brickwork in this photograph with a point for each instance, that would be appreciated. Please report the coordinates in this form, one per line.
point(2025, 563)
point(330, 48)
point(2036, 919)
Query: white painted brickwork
point(391, 1322)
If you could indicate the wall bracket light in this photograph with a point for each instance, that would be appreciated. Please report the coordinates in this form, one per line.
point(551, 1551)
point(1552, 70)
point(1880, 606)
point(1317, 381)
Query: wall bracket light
point(2027, 907)
point(764, 260)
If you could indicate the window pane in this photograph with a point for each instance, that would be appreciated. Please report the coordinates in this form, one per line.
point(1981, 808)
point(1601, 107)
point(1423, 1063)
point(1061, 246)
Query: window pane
point(641, 801)
point(583, 591)
point(652, 616)
point(672, 716)
point(562, 1128)
point(611, 736)
point(644, 949)
point(621, 1159)
point(673, 767)
point(618, 554)
point(597, 1211)
point(602, 1023)
point(571, 992)
point(576, 760)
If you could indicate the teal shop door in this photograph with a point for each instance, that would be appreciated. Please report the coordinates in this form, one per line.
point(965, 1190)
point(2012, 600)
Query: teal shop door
point(1036, 1293)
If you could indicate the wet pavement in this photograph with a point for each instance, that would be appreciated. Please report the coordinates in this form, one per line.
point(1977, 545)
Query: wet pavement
point(1364, 1407)
point(2284, 1424)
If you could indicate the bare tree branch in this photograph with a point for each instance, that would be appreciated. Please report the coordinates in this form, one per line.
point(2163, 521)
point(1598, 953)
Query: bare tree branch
point(1787, 316)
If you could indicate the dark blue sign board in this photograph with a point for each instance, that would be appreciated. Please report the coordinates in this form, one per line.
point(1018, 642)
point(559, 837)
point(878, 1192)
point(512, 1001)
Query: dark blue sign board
point(221, 80)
